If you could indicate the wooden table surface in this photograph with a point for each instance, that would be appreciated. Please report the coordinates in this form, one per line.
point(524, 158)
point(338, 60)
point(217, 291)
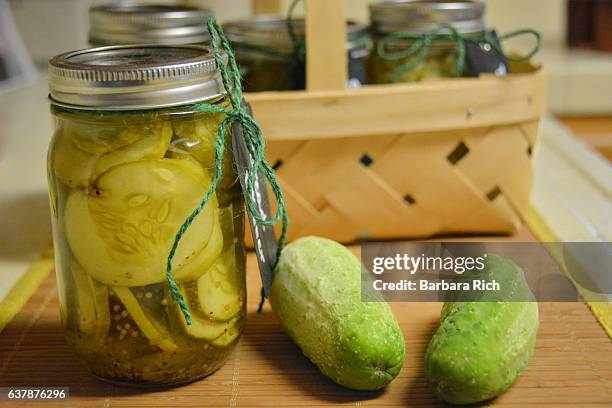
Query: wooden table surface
point(572, 365)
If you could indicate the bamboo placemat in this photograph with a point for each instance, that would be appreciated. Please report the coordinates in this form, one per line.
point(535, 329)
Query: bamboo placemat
point(572, 365)
point(19, 294)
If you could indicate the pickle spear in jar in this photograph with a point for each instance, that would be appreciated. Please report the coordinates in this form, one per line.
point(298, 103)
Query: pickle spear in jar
point(130, 217)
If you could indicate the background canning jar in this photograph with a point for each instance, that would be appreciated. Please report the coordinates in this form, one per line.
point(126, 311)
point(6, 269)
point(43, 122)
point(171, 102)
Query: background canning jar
point(271, 58)
point(389, 18)
point(129, 23)
point(129, 161)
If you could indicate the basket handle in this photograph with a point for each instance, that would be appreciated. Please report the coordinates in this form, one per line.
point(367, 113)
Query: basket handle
point(326, 55)
point(267, 7)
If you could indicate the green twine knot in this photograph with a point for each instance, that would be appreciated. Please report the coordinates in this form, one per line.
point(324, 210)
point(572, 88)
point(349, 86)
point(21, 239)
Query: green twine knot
point(421, 47)
point(254, 141)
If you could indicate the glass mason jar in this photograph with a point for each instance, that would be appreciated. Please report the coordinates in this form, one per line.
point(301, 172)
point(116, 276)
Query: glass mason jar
point(129, 23)
point(418, 17)
point(130, 159)
point(266, 53)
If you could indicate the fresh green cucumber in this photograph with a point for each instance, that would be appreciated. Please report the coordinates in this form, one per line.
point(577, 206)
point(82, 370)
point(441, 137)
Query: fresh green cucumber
point(482, 347)
point(316, 294)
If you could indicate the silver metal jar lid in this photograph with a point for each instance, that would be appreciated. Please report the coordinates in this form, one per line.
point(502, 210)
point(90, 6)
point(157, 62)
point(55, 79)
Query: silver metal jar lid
point(389, 17)
point(121, 23)
point(272, 32)
point(134, 77)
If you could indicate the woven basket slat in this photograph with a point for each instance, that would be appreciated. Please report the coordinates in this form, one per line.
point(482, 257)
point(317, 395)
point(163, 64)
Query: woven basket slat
point(281, 149)
point(500, 151)
point(302, 212)
point(318, 165)
point(497, 217)
point(332, 224)
point(370, 198)
point(531, 131)
point(417, 165)
point(409, 186)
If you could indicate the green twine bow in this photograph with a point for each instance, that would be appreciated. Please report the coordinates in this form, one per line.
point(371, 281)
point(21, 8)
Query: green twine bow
point(255, 144)
point(421, 47)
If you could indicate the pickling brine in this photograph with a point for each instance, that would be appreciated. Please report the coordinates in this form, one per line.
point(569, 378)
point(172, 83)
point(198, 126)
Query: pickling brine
point(121, 185)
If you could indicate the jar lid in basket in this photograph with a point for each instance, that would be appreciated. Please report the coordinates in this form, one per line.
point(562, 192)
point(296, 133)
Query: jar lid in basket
point(416, 16)
point(128, 23)
point(132, 77)
point(272, 32)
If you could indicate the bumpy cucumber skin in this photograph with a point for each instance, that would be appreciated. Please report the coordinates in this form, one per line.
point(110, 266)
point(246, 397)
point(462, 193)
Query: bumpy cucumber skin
point(316, 294)
point(482, 347)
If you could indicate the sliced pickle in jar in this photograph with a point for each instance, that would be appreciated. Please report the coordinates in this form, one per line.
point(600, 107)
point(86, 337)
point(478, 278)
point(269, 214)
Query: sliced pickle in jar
point(71, 165)
point(102, 136)
point(146, 323)
point(220, 292)
point(150, 146)
point(202, 326)
point(194, 266)
point(122, 228)
point(79, 157)
point(197, 139)
point(229, 335)
point(93, 305)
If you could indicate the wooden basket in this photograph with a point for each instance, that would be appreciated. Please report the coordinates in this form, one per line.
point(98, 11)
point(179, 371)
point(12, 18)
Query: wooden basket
point(403, 160)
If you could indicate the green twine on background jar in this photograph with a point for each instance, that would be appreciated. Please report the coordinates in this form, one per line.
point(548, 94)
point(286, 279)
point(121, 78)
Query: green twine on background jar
point(421, 45)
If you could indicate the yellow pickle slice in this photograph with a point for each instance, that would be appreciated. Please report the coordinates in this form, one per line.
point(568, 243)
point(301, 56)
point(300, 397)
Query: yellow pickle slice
point(82, 153)
point(121, 229)
point(195, 265)
point(71, 165)
point(103, 136)
point(196, 139)
point(202, 326)
point(229, 335)
point(220, 293)
point(150, 146)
